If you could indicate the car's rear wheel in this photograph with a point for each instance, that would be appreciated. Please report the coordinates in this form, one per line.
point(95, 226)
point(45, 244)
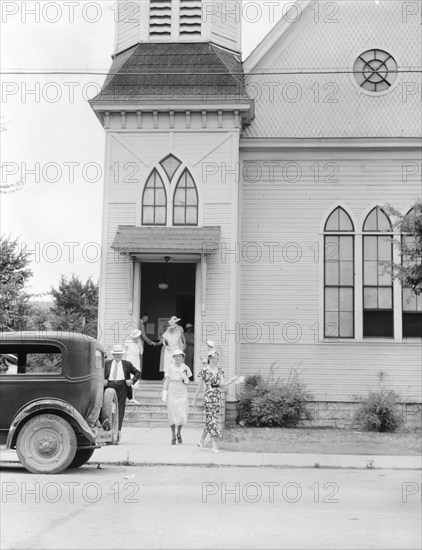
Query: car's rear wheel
point(46, 444)
point(81, 457)
point(110, 414)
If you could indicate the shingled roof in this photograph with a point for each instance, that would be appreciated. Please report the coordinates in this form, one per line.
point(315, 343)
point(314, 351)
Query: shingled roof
point(131, 239)
point(174, 71)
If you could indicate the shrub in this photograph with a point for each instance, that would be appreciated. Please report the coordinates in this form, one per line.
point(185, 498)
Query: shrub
point(379, 411)
point(273, 403)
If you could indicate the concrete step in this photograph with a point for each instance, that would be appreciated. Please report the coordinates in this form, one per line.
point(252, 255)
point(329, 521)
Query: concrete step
point(148, 390)
point(152, 411)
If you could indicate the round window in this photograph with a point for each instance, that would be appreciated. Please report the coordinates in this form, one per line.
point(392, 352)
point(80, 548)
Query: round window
point(375, 70)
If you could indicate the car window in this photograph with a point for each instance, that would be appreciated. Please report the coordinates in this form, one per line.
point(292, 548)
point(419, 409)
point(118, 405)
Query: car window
point(99, 359)
point(30, 359)
point(46, 363)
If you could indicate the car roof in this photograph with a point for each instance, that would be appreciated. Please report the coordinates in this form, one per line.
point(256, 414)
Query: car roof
point(48, 335)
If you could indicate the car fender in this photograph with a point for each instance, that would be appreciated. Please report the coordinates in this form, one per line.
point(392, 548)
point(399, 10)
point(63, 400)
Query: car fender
point(54, 406)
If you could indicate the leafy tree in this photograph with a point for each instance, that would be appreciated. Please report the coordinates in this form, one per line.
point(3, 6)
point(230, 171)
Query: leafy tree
point(75, 306)
point(409, 271)
point(15, 308)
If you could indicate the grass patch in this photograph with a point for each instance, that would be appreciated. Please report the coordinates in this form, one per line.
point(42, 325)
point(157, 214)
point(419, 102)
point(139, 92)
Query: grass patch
point(322, 441)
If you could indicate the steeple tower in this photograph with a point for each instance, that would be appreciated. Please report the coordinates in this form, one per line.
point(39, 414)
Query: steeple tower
point(173, 106)
point(214, 21)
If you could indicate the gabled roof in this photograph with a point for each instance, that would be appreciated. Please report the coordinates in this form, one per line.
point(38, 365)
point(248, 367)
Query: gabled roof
point(291, 18)
point(198, 72)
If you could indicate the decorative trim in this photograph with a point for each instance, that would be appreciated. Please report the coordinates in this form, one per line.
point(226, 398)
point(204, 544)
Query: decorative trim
point(204, 119)
point(220, 119)
point(330, 143)
point(155, 117)
point(166, 106)
point(171, 119)
point(123, 118)
point(139, 117)
point(129, 148)
point(236, 119)
point(188, 113)
point(106, 119)
point(203, 284)
point(218, 143)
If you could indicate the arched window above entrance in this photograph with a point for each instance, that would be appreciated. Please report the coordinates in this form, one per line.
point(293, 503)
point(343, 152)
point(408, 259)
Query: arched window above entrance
point(171, 178)
point(154, 201)
point(185, 201)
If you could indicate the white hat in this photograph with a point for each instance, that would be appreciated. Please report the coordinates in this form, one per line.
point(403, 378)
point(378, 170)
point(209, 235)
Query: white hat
point(212, 352)
point(173, 320)
point(178, 352)
point(188, 325)
point(117, 348)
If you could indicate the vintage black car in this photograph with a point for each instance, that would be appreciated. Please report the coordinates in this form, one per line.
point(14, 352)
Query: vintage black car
point(53, 407)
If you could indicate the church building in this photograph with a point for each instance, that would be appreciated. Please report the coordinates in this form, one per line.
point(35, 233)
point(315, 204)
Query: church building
point(250, 197)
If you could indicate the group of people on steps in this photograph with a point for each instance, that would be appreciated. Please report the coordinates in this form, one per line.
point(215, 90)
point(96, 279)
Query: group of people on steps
point(122, 374)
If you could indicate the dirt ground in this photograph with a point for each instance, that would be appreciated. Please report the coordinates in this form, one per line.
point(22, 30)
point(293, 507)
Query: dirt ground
point(321, 440)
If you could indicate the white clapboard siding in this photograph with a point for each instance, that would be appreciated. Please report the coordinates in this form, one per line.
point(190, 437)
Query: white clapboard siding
point(219, 295)
point(280, 293)
point(225, 24)
point(128, 15)
point(203, 147)
point(114, 283)
point(339, 371)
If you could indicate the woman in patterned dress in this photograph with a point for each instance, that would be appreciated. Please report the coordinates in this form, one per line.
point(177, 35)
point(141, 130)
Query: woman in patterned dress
point(212, 377)
point(175, 393)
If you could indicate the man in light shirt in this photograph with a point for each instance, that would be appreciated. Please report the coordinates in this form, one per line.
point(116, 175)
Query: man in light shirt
point(117, 375)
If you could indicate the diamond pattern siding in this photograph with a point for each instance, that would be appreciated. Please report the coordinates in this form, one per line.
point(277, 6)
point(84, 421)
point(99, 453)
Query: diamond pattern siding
point(333, 105)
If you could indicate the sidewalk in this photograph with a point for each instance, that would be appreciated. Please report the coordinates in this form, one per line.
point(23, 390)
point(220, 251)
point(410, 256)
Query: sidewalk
point(151, 446)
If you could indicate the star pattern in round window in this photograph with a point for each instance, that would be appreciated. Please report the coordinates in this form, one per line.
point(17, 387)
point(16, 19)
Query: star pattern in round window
point(375, 70)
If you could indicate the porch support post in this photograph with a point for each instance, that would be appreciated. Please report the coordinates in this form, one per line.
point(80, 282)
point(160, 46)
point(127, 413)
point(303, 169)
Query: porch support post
point(203, 283)
point(130, 278)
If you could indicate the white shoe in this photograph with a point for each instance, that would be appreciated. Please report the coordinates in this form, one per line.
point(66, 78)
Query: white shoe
point(215, 450)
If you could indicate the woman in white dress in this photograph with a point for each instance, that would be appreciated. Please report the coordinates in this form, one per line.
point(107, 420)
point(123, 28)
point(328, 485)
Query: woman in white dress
point(173, 338)
point(175, 393)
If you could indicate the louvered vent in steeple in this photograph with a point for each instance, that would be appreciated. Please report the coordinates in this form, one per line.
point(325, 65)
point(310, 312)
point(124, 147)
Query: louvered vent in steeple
point(190, 18)
point(178, 21)
point(160, 18)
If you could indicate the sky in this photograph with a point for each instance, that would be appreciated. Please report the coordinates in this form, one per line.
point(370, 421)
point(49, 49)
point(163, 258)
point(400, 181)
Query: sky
point(52, 144)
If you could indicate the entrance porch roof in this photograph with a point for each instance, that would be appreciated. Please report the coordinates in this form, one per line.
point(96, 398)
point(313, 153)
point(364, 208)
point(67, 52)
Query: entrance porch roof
point(133, 240)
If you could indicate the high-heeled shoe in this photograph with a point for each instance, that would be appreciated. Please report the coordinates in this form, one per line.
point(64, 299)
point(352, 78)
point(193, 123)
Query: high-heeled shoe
point(215, 449)
point(179, 438)
point(200, 444)
point(173, 441)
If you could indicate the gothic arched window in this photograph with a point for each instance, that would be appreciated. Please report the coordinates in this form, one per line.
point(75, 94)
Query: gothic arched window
point(185, 201)
point(378, 320)
point(412, 302)
point(154, 201)
point(339, 278)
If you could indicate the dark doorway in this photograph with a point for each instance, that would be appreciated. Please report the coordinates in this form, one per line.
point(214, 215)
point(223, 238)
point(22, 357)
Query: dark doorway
point(185, 309)
point(178, 299)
